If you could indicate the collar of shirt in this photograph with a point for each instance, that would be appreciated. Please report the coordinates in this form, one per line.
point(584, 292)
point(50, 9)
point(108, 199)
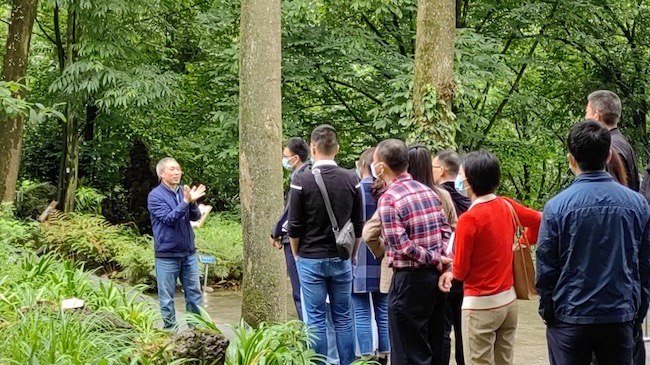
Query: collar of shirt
point(402, 177)
point(483, 199)
point(325, 163)
point(367, 180)
point(297, 170)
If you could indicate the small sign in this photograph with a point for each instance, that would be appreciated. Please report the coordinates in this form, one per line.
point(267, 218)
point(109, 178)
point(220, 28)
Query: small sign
point(205, 259)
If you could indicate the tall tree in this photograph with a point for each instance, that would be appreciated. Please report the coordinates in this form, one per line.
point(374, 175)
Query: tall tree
point(260, 143)
point(14, 69)
point(433, 83)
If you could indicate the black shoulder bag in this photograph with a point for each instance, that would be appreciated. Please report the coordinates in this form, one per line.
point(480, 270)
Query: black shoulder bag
point(345, 238)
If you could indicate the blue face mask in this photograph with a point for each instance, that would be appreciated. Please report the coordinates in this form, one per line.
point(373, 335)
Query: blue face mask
point(286, 164)
point(460, 185)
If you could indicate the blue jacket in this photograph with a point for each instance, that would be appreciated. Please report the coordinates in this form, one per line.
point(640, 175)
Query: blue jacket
point(593, 253)
point(170, 219)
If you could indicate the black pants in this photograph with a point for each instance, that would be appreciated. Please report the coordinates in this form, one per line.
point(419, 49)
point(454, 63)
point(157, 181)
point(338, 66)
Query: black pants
point(293, 276)
point(639, 346)
point(452, 319)
point(574, 344)
point(416, 316)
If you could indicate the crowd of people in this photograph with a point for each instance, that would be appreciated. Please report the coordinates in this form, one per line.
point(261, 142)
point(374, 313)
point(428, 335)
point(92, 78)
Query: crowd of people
point(433, 250)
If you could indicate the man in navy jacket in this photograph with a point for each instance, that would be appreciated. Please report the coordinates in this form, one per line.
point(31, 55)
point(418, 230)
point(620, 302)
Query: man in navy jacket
point(172, 207)
point(593, 259)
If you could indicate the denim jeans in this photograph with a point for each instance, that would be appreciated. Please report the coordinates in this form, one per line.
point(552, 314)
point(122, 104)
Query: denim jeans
point(318, 279)
point(168, 270)
point(362, 321)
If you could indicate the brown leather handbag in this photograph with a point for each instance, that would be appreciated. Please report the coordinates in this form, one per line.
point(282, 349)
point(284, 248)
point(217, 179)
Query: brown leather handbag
point(523, 268)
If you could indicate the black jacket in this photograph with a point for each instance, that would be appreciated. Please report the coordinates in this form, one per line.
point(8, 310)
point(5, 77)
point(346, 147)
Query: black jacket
point(624, 149)
point(461, 203)
point(279, 229)
point(308, 219)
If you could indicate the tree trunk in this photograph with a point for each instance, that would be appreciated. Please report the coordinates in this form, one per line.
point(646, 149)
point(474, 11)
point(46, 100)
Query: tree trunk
point(69, 172)
point(433, 83)
point(14, 69)
point(260, 143)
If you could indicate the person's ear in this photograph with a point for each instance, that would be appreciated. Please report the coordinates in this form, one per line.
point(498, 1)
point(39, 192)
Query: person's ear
point(338, 147)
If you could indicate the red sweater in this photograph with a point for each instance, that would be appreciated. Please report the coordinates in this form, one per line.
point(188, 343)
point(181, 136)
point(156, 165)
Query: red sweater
point(483, 245)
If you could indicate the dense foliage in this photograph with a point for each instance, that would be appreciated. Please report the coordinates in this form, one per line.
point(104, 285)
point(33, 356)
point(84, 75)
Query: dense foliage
point(119, 252)
point(166, 73)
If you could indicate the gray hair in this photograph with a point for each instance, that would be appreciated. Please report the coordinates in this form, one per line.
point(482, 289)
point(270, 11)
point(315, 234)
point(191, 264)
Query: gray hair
point(160, 167)
point(608, 104)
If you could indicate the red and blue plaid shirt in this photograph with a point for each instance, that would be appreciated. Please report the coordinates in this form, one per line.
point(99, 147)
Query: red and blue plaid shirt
point(414, 227)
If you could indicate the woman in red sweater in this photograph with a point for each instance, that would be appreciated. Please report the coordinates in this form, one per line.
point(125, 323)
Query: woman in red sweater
point(483, 260)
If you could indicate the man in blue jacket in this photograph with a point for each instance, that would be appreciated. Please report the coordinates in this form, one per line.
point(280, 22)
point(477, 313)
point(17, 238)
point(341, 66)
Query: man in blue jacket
point(172, 207)
point(593, 259)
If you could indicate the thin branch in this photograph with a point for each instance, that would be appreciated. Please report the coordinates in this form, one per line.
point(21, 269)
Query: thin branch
point(363, 92)
point(40, 26)
point(340, 98)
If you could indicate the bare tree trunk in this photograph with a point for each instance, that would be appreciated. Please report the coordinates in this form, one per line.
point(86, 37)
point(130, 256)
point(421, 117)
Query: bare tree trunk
point(433, 83)
point(260, 143)
point(14, 69)
point(69, 171)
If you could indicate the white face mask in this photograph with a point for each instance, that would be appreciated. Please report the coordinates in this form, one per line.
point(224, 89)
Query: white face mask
point(373, 171)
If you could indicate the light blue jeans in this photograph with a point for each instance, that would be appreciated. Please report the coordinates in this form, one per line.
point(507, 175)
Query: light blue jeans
point(318, 279)
point(168, 270)
point(362, 321)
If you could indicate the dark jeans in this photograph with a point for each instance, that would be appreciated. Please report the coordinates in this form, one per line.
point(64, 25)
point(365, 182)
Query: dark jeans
point(416, 316)
point(639, 346)
point(452, 319)
point(293, 276)
point(574, 344)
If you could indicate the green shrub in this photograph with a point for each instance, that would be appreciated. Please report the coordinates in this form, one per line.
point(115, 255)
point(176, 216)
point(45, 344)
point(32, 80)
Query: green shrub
point(221, 238)
point(112, 328)
point(13, 231)
point(88, 200)
point(33, 198)
point(272, 344)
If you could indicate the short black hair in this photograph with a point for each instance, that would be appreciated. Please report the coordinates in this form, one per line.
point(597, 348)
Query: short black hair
point(450, 161)
point(608, 104)
point(325, 139)
point(482, 171)
point(394, 154)
point(589, 143)
point(298, 146)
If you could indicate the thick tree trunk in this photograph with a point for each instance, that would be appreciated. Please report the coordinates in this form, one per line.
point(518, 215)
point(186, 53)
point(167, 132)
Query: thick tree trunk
point(260, 144)
point(14, 69)
point(433, 72)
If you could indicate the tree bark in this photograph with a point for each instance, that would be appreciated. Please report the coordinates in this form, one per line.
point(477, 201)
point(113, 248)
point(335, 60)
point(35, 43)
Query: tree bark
point(433, 72)
point(14, 69)
point(69, 172)
point(260, 144)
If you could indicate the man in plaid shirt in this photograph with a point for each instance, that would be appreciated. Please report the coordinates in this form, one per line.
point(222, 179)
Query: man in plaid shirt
point(416, 233)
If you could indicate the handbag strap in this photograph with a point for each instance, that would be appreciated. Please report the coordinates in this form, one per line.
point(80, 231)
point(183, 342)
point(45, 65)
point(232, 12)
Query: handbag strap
point(326, 198)
point(516, 221)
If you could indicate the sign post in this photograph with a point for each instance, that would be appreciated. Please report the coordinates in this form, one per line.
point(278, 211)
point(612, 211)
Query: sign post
point(206, 260)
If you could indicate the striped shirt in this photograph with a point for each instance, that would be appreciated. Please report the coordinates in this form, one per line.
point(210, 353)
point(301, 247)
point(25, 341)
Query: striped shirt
point(414, 227)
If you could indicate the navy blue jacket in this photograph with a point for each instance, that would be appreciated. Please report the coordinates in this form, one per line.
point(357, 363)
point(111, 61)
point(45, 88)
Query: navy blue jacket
point(280, 227)
point(170, 219)
point(593, 253)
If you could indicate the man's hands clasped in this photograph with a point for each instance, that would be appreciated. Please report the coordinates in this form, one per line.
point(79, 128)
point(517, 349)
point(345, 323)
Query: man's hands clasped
point(191, 195)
